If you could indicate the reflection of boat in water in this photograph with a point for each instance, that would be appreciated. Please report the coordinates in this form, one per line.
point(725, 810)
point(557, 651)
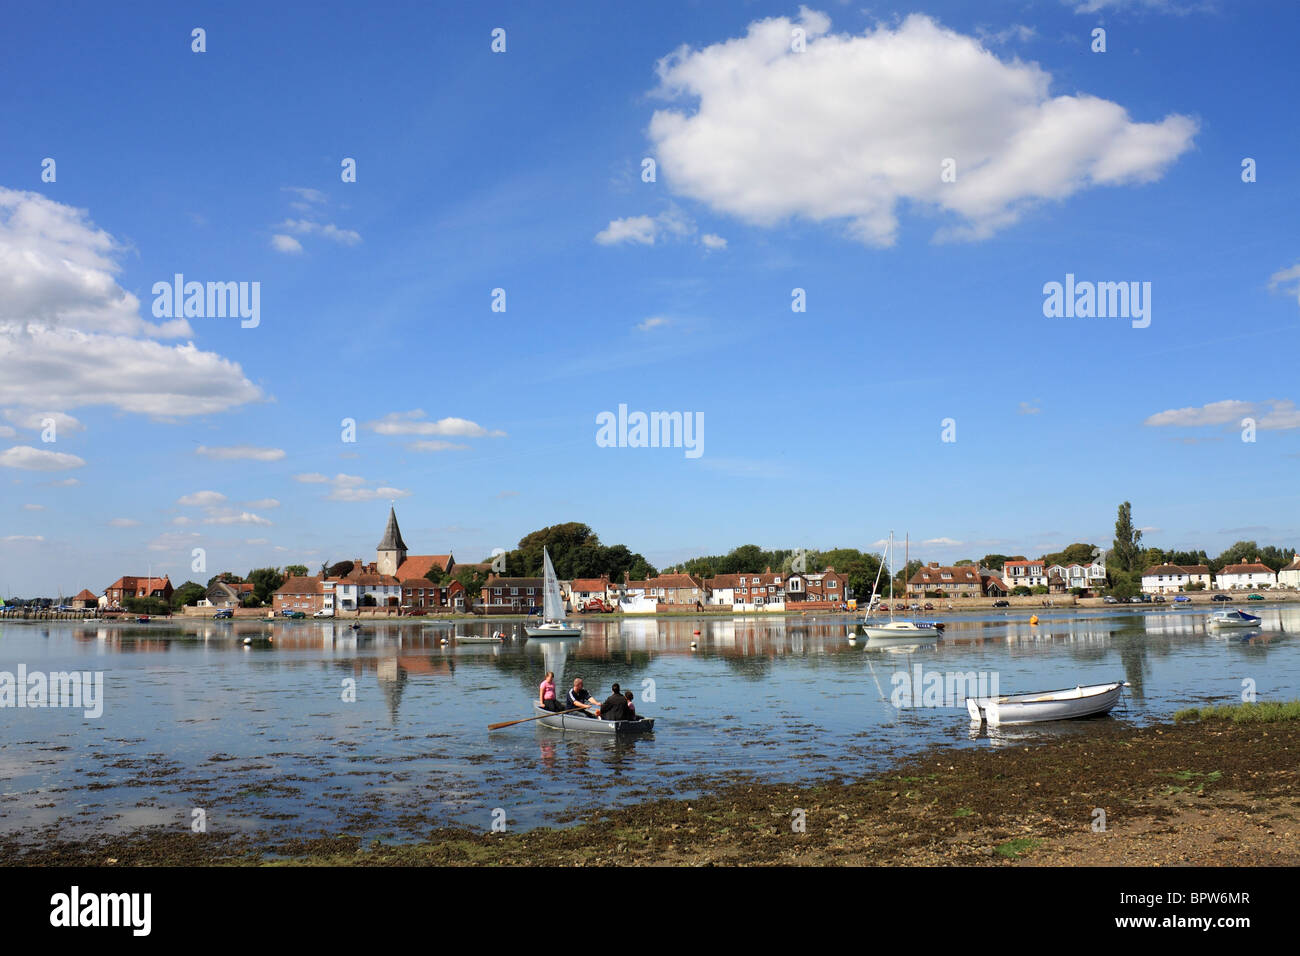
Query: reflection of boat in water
point(1070, 703)
point(594, 725)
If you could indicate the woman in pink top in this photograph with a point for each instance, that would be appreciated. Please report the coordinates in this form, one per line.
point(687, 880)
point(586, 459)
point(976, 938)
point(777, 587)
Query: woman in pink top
point(546, 693)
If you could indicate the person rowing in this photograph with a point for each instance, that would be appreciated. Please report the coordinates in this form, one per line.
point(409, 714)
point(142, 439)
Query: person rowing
point(580, 697)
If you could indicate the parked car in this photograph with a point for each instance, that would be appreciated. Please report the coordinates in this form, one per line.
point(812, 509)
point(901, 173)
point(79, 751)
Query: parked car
point(1002, 604)
point(1159, 599)
point(292, 614)
point(324, 612)
point(929, 606)
point(1255, 597)
point(1110, 599)
point(1220, 597)
point(223, 614)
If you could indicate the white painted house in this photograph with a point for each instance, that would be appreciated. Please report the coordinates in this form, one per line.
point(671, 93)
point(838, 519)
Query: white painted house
point(1289, 577)
point(1237, 577)
point(1173, 578)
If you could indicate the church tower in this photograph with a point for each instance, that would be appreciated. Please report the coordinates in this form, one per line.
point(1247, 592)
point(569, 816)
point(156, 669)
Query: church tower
point(391, 552)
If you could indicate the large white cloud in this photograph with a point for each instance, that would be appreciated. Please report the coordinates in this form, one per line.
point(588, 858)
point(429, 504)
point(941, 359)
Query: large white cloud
point(846, 130)
point(71, 336)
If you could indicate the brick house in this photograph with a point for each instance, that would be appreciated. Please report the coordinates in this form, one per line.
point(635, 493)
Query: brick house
point(131, 586)
point(510, 595)
point(306, 594)
point(959, 581)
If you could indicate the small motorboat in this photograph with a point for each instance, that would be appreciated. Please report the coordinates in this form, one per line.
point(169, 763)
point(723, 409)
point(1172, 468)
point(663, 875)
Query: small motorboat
point(1071, 703)
point(593, 725)
point(1234, 618)
point(142, 619)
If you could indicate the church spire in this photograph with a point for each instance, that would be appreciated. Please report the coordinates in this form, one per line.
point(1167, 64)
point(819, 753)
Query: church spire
point(392, 540)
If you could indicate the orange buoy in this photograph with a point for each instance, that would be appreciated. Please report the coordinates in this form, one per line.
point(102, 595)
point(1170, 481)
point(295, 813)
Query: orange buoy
point(1033, 619)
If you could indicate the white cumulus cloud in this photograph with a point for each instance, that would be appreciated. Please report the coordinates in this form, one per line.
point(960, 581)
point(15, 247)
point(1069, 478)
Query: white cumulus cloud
point(38, 459)
point(857, 124)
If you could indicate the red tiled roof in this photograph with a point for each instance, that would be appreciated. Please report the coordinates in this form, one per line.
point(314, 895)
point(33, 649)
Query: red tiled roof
point(418, 565)
point(963, 574)
point(85, 595)
point(1246, 569)
point(301, 585)
point(589, 584)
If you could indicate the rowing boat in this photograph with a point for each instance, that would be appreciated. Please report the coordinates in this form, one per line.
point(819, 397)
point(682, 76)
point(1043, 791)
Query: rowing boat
point(1068, 704)
point(594, 725)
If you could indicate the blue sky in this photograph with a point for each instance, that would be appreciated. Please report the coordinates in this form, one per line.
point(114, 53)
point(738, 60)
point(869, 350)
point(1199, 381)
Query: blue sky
point(521, 170)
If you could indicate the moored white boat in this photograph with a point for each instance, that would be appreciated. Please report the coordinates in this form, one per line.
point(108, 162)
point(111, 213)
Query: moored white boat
point(904, 631)
point(900, 631)
point(554, 623)
point(1234, 618)
point(1070, 703)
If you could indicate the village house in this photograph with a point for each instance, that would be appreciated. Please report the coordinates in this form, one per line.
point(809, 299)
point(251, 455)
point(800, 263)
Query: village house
point(1021, 573)
point(960, 581)
point(668, 589)
point(502, 595)
point(364, 586)
point(992, 585)
point(1289, 577)
point(226, 594)
point(825, 586)
point(764, 591)
point(1173, 578)
point(306, 594)
point(131, 586)
point(1235, 577)
point(582, 590)
point(421, 594)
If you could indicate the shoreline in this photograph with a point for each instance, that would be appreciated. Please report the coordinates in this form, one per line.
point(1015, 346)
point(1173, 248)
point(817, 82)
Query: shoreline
point(1204, 793)
point(1028, 605)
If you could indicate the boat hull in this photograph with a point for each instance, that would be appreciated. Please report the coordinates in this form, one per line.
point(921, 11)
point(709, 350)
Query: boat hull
point(1069, 704)
point(1245, 620)
point(900, 631)
point(542, 630)
point(594, 725)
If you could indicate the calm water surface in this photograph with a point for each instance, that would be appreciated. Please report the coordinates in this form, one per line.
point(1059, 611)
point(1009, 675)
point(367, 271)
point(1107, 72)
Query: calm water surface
point(261, 737)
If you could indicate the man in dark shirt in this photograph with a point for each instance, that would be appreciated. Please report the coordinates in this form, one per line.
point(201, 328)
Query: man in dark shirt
point(615, 706)
point(579, 696)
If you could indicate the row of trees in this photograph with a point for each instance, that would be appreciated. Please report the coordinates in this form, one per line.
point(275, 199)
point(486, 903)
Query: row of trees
point(576, 551)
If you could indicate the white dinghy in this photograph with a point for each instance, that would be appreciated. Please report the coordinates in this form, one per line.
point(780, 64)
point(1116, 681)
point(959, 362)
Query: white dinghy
point(1070, 703)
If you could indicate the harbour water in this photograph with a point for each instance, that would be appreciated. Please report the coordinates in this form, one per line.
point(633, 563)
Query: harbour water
point(265, 736)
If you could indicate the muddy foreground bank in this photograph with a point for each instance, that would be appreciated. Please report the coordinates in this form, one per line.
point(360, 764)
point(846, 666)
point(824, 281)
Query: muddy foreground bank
point(1200, 793)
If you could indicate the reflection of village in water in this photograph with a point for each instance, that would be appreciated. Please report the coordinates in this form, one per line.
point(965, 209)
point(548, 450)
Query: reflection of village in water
point(395, 653)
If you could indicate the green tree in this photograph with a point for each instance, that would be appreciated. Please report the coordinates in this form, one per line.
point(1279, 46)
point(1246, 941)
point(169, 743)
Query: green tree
point(1077, 553)
point(340, 570)
point(436, 574)
point(188, 593)
point(295, 571)
point(265, 582)
point(1128, 541)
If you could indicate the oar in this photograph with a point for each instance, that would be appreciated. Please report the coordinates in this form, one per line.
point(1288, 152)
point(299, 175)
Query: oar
point(549, 713)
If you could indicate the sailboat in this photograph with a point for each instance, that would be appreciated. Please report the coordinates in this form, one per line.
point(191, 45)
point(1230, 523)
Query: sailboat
point(896, 630)
point(553, 619)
